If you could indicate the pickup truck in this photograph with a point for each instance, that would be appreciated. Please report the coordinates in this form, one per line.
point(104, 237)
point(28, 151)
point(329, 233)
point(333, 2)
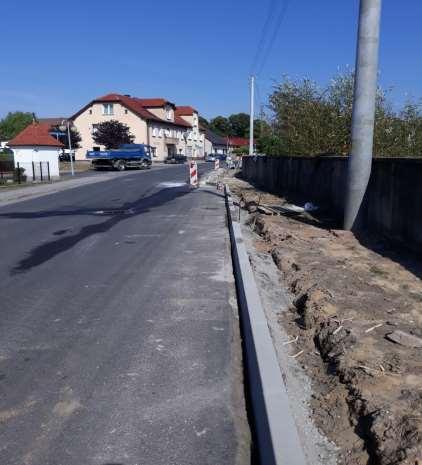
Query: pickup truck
point(126, 156)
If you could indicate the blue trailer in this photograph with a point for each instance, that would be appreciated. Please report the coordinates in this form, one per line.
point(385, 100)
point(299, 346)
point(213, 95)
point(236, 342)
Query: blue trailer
point(126, 156)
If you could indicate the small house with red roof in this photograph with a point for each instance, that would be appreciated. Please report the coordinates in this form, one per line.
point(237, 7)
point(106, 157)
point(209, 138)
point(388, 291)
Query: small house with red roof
point(234, 142)
point(170, 130)
point(35, 145)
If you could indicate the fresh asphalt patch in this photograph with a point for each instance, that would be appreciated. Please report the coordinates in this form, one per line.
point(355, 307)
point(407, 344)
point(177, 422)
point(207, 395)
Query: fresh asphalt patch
point(115, 352)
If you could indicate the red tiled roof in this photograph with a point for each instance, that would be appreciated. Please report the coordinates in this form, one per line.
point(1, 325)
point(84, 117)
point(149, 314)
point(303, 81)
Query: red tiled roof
point(136, 106)
point(52, 121)
point(154, 102)
point(181, 122)
point(139, 106)
point(185, 111)
point(109, 98)
point(36, 134)
point(238, 141)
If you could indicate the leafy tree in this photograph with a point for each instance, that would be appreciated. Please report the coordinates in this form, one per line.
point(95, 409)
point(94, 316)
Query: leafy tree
point(309, 120)
point(270, 145)
point(239, 124)
point(203, 122)
point(75, 138)
point(408, 130)
point(261, 129)
point(14, 123)
point(220, 125)
point(112, 134)
point(241, 150)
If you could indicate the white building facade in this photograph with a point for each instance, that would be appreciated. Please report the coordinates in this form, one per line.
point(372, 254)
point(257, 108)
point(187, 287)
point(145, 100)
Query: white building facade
point(155, 122)
point(37, 152)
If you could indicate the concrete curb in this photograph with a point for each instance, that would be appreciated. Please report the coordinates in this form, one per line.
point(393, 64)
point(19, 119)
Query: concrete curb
point(275, 429)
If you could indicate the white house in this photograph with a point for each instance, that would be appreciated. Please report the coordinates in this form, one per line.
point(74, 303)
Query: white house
point(36, 151)
point(215, 143)
point(157, 122)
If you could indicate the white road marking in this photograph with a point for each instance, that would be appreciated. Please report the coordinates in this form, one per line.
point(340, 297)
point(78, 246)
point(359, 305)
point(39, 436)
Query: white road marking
point(171, 184)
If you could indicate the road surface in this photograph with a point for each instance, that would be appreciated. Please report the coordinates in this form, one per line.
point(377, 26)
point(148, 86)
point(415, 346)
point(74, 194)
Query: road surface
point(119, 338)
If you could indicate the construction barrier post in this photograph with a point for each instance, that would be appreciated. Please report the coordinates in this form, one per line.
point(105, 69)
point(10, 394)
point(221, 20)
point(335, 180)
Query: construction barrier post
point(193, 174)
point(217, 164)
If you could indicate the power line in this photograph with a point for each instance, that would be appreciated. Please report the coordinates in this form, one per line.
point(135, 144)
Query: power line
point(276, 29)
point(258, 101)
point(264, 32)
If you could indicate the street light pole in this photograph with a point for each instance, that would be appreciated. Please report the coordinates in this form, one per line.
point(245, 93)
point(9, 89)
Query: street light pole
point(70, 149)
point(63, 128)
point(360, 161)
point(251, 117)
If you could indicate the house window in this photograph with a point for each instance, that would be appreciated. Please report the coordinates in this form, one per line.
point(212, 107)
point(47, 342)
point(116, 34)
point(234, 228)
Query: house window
point(94, 128)
point(168, 113)
point(126, 112)
point(96, 149)
point(108, 109)
point(90, 112)
point(155, 132)
point(154, 151)
point(160, 134)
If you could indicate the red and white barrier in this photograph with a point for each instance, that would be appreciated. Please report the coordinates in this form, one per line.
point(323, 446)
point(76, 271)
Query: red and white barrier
point(217, 164)
point(193, 174)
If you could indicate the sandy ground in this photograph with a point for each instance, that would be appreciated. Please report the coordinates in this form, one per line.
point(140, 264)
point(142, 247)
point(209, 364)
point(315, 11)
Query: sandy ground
point(354, 327)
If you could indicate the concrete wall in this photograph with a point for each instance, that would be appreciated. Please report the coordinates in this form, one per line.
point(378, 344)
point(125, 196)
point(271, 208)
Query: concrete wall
point(26, 155)
point(393, 203)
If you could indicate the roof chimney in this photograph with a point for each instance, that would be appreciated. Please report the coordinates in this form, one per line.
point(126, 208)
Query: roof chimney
point(127, 95)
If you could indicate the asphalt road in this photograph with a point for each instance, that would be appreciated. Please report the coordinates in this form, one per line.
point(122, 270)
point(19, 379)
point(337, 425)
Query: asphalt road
point(119, 338)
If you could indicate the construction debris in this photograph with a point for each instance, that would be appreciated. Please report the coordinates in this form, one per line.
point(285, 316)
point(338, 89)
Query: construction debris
point(367, 391)
point(404, 339)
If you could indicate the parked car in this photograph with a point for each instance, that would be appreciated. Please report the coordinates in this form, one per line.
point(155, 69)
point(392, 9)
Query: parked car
point(66, 157)
point(210, 157)
point(221, 156)
point(175, 159)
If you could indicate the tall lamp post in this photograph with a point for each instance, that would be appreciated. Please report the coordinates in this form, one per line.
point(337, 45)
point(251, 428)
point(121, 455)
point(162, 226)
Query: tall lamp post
point(66, 126)
point(360, 161)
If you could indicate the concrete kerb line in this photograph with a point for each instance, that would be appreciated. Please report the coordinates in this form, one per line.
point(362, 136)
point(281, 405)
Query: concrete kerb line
point(274, 426)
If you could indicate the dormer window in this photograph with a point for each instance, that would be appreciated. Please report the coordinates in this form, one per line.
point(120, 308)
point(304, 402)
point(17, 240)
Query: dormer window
point(108, 109)
point(169, 114)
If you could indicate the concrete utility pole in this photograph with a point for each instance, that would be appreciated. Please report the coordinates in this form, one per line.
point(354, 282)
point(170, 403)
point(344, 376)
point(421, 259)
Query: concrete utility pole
point(360, 161)
point(72, 169)
point(252, 94)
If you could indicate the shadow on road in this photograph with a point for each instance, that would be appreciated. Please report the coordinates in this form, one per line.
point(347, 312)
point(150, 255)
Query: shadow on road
point(46, 251)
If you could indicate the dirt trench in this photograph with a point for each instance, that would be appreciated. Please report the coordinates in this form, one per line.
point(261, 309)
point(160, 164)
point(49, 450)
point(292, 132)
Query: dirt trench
point(357, 316)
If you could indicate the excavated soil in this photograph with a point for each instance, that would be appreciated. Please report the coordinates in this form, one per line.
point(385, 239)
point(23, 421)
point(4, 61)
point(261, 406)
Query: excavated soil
point(357, 317)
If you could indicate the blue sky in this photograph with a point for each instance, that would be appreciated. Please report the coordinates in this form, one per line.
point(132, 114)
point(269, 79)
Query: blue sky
point(55, 59)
